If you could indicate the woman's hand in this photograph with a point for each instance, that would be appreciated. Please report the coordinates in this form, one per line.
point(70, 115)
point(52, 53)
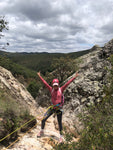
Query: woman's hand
point(38, 73)
point(76, 74)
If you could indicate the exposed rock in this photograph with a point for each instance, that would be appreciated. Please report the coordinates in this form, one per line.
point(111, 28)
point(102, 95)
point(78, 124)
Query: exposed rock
point(17, 90)
point(107, 50)
point(87, 89)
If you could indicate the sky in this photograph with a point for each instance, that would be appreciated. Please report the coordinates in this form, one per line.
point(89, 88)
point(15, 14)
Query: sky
point(56, 25)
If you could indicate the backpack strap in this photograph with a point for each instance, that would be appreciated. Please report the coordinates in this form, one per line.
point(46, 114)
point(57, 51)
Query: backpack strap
point(62, 100)
point(60, 90)
point(52, 90)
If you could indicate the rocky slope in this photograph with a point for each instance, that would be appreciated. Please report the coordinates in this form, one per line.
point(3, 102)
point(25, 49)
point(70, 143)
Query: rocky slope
point(16, 90)
point(87, 89)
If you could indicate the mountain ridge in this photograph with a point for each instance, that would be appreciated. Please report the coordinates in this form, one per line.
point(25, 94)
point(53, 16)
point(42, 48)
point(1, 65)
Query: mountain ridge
point(41, 61)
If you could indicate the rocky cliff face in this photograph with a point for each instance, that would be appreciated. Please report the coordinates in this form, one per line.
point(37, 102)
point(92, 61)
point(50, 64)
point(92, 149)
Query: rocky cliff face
point(87, 89)
point(16, 90)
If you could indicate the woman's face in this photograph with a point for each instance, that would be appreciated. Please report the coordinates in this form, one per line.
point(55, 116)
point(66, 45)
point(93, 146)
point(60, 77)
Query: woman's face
point(55, 87)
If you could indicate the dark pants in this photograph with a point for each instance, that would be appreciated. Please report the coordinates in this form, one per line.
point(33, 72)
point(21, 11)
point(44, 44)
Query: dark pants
point(49, 112)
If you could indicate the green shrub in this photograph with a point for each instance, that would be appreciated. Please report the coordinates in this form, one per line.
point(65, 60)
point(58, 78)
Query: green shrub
point(17, 69)
point(33, 88)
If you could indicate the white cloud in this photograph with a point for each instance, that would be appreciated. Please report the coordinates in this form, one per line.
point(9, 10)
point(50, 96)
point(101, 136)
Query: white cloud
point(57, 26)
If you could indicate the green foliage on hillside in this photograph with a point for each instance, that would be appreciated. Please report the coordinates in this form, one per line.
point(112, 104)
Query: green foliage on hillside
point(35, 61)
point(40, 61)
point(63, 68)
point(16, 69)
point(33, 88)
point(75, 55)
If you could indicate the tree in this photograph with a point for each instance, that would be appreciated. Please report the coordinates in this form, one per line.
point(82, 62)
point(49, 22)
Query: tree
point(63, 68)
point(3, 25)
point(33, 88)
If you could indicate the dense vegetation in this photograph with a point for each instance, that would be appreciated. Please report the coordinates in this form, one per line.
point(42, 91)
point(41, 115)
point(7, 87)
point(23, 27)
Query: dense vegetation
point(98, 124)
point(16, 69)
point(40, 61)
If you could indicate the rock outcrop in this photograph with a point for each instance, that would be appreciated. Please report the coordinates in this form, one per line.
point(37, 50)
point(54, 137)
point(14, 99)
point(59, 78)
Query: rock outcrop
point(17, 90)
point(107, 50)
point(87, 89)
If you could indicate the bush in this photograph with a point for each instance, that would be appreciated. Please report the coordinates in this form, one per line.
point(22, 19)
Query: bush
point(33, 88)
point(16, 69)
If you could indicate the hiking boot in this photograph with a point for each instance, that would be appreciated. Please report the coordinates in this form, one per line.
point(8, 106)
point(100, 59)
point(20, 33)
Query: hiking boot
point(41, 133)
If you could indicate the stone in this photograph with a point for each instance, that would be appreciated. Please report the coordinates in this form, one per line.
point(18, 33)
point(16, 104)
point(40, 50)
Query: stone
point(83, 100)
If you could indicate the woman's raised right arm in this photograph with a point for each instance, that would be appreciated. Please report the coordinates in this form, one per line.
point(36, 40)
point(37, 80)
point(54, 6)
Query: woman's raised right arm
point(46, 84)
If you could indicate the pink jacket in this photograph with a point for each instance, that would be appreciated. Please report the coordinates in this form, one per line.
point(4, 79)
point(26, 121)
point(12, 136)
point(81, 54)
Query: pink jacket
point(56, 95)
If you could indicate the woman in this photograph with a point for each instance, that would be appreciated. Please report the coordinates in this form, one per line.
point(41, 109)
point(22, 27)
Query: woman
point(56, 99)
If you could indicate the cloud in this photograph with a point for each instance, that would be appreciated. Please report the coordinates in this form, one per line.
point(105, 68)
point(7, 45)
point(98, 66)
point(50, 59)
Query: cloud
point(57, 26)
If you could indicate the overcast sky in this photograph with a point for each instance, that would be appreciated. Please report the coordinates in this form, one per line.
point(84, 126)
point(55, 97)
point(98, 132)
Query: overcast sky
point(56, 25)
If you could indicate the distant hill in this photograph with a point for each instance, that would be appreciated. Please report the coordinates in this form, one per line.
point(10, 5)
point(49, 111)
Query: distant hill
point(40, 61)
